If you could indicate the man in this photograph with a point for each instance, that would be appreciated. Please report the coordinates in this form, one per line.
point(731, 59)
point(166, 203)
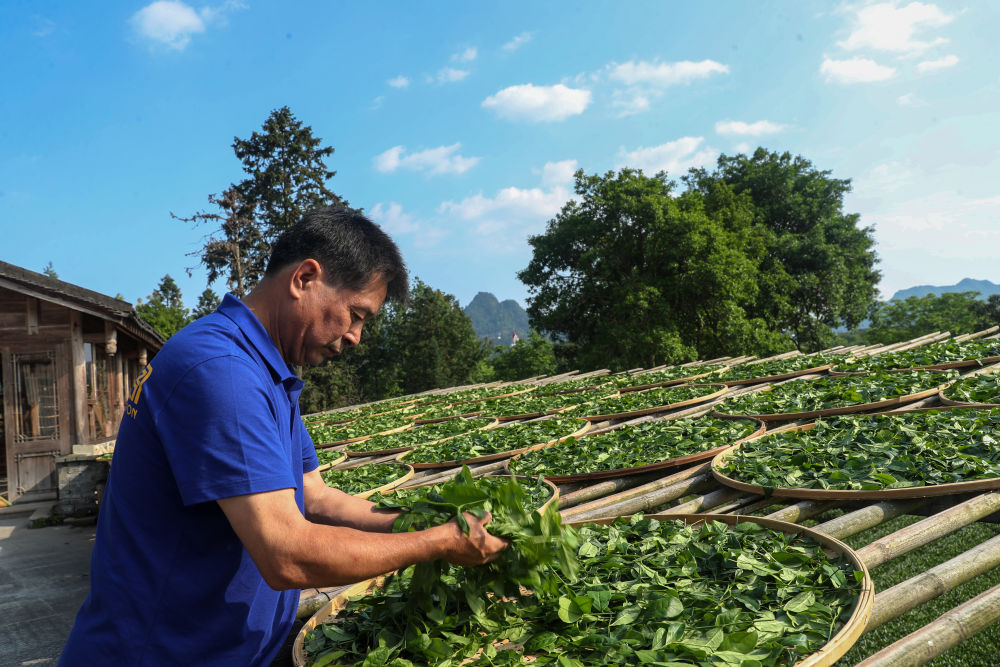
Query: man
point(214, 515)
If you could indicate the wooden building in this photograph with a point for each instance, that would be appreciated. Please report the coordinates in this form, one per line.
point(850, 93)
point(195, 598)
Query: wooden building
point(68, 357)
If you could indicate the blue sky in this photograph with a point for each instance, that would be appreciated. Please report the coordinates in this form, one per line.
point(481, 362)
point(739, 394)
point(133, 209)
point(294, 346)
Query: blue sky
point(458, 126)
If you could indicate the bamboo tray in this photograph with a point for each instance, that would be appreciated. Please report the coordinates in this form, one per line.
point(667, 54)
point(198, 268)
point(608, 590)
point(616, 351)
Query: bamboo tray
point(960, 404)
point(435, 420)
point(927, 491)
point(947, 366)
point(531, 415)
point(661, 408)
point(335, 462)
point(843, 410)
point(855, 626)
point(777, 378)
point(827, 655)
point(671, 383)
point(649, 467)
point(397, 450)
point(491, 457)
point(359, 438)
point(389, 485)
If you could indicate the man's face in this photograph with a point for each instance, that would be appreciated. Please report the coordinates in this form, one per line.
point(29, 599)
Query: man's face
point(331, 318)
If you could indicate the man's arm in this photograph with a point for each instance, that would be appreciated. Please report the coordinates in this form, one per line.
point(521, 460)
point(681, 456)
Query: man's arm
point(292, 552)
point(333, 507)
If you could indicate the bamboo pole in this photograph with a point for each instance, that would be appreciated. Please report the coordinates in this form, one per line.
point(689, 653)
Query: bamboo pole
point(448, 473)
point(929, 529)
point(721, 507)
point(709, 501)
point(604, 488)
point(742, 505)
point(936, 581)
point(945, 632)
point(867, 517)
point(758, 506)
point(598, 493)
point(801, 511)
point(644, 503)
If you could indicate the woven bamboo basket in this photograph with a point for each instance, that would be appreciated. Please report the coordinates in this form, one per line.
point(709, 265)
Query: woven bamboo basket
point(855, 626)
point(671, 383)
point(844, 410)
point(777, 378)
point(397, 450)
point(928, 491)
point(348, 441)
point(490, 457)
point(632, 414)
point(649, 467)
point(827, 655)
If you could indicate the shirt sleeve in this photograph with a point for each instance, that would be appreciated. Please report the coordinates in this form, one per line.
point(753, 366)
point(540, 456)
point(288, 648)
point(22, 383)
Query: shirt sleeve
point(221, 431)
point(310, 461)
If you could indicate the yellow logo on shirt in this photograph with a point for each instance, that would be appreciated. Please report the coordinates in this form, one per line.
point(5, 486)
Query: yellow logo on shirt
point(133, 397)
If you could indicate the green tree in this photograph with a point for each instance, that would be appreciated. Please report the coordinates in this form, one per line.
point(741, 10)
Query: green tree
point(632, 275)
point(164, 308)
point(50, 271)
point(287, 177)
point(526, 358)
point(816, 265)
point(228, 251)
point(207, 303)
point(957, 312)
point(434, 341)
point(988, 312)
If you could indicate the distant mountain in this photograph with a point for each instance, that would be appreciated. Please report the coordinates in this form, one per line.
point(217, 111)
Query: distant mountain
point(497, 320)
point(984, 287)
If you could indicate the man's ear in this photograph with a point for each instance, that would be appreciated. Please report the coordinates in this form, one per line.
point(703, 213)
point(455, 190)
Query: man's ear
point(306, 276)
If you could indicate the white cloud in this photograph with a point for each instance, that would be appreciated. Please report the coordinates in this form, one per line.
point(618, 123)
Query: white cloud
point(399, 81)
point(168, 22)
point(172, 23)
point(377, 102)
point(743, 147)
point(935, 65)
point(757, 129)
point(393, 219)
point(630, 103)
point(517, 42)
point(511, 213)
point(884, 178)
point(888, 27)
point(855, 70)
point(907, 100)
point(538, 103)
point(945, 225)
point(440, 160)
point(558, 173)
point(662, 75)
point(450, 75)
point(466, 56)
point(673, 157)
point(43, 26)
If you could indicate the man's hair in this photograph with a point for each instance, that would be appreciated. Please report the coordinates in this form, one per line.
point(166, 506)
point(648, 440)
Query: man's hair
point(350, 247)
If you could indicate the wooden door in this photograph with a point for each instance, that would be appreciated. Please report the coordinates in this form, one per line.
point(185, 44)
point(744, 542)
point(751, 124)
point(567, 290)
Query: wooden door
point(36, 406)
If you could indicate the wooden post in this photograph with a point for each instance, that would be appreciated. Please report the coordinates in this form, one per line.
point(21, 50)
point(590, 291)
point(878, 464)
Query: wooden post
point(110, 339)
point(79, 377)
point(142, 357)
point(31, 314)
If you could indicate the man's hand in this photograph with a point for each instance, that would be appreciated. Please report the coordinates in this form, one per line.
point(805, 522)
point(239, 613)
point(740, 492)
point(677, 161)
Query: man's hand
point(478, 547)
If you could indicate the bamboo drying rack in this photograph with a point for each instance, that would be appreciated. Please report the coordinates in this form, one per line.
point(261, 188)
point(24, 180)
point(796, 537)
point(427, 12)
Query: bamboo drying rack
point(694, 490)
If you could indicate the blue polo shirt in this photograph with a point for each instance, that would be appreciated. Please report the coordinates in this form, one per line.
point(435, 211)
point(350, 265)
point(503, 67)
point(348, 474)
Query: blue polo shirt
point(214, 415)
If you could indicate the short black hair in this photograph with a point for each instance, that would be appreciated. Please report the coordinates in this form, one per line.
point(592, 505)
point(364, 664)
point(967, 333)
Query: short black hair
point(350, 247)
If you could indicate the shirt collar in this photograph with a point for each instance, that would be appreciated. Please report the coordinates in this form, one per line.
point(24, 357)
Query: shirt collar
point(255, 333)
